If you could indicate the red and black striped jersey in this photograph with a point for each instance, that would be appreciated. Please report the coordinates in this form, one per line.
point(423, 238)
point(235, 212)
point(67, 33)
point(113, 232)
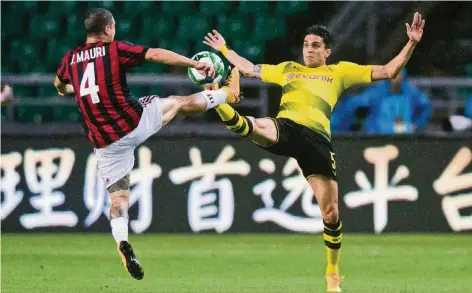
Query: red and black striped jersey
point(97, 71)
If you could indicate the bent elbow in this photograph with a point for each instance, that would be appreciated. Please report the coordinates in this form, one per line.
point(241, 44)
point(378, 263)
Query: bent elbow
point(389, 73)
point(393, 74)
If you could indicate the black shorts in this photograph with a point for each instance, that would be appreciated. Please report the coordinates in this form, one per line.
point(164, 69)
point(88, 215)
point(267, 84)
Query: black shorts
point(313, 152)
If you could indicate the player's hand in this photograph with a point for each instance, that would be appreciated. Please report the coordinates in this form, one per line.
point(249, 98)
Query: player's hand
point(205, 69)
point(6, 94)
point(67, 90)
point(214, 40)
point(415, 32)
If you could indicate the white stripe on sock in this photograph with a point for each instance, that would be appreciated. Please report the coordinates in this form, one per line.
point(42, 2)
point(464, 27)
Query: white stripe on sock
point(214, 98)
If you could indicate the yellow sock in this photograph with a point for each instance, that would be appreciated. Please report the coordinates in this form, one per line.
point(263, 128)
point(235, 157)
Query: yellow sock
point(332, 236)
point(225, 111)
point(234, 122)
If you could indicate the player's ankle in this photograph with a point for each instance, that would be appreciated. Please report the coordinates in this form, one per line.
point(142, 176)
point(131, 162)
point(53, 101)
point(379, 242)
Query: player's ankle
point(119, 229)
point(214, 98)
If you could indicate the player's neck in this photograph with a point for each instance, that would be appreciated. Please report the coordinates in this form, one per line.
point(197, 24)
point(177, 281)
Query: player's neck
point(96, 39)
point(315, 66)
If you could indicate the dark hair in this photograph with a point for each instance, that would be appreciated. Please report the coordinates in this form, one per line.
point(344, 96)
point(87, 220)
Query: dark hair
point(321, 31)
point(96, 20)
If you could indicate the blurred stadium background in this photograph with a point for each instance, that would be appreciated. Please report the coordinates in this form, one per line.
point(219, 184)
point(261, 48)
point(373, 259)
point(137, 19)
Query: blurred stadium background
point(41, 132)
point(36, 34)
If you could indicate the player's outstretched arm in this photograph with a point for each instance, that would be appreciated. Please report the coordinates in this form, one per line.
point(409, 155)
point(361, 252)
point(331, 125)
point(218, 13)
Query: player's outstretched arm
point(159, 55)
point(392, 68)
point(217, 42)
point(63, 88)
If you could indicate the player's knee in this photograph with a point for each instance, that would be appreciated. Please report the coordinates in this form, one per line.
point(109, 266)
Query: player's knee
point(119, 194)
point(259, 124)
point(170, 107)
point(119, 205)
point(265, 132)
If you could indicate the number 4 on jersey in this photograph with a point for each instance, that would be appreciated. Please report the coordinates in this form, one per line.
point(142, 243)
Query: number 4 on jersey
point(89, 79)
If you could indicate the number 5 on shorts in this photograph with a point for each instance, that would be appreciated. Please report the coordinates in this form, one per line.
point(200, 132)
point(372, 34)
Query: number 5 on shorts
point(89, 79)
point(333, 164)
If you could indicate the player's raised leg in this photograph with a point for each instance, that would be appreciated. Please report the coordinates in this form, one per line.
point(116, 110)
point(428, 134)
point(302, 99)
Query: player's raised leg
point(261, 131)
point(326, 193)
point(202, 101)
point(119, 195)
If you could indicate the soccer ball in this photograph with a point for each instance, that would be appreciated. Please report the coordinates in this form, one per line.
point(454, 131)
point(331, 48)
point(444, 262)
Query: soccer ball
point(208, 57)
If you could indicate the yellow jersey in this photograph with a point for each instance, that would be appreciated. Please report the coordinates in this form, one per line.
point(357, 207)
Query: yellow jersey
point(309, 94)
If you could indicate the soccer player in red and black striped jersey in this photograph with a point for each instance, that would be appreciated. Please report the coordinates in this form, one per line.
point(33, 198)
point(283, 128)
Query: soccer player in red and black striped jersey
point(115, 123)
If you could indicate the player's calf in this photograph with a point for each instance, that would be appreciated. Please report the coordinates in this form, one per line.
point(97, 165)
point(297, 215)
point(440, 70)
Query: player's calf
point(236, 123)
point(192, 104)
point(332, 236)
point(261, 131)
point(119, 194)
point(326, 193)
point(330, 213)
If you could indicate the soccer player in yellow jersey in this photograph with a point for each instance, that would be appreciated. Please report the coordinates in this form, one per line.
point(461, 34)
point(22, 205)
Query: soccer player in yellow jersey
point(302, 127)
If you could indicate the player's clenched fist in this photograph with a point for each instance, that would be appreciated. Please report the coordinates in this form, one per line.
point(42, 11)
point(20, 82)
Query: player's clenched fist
point(205, 69)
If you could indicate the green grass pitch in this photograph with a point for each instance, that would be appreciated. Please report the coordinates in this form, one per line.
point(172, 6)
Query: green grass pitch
point(401, 263)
